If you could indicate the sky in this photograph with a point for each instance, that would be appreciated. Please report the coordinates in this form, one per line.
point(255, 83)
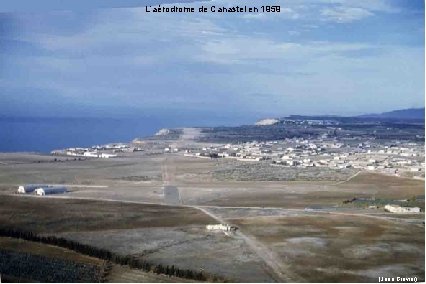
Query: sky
point(314, 57)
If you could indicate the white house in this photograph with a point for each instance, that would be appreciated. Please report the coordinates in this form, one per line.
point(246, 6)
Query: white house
point(398, 209)
point(221, 227)
point(106, 156)
point(91, 154)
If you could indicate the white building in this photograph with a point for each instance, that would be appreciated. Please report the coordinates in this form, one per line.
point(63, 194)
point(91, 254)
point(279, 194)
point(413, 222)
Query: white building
point(221, 227)
point(91, 154)
point(106, 156)
point(398, 209)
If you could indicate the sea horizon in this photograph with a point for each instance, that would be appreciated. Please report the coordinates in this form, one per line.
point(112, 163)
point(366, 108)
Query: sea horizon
point(45, 134)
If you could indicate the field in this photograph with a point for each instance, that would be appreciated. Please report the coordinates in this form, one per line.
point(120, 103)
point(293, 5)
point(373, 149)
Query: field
point(385, 186)
point(154, 207)
point(159, 234)
point(48, 215)
point(341, 248)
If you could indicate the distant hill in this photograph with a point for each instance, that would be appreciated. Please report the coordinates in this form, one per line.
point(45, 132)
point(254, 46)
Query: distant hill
point(411, 113)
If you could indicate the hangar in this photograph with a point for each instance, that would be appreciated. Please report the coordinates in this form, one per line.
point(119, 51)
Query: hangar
point(50, 190)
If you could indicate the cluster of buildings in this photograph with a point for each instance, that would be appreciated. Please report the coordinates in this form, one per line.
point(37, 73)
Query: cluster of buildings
point(98, 151)
point(289, 121)
point(393, 157)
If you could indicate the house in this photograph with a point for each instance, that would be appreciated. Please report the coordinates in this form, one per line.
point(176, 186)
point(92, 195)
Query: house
point(106, 156)
point(221, 227)
point(399, 209)
point(91, 154)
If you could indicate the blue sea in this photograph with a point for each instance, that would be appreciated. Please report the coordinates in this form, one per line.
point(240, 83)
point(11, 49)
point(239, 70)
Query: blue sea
point(37, 134)
point(47, 134)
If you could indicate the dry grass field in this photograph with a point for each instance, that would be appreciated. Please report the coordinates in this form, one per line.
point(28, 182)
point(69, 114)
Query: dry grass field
point(53, 215)
point(124, 274)
point(301, 225)
point(384, 186)
point(341, 248)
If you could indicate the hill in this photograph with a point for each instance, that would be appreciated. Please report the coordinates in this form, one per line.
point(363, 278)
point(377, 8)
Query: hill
point(411, 113)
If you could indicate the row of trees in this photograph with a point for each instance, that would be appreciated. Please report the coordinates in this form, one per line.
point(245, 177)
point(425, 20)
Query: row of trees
point(131, 261)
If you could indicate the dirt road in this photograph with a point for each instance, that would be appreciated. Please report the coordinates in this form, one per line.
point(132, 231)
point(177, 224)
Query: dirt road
point(273, 264)
point(276, 269)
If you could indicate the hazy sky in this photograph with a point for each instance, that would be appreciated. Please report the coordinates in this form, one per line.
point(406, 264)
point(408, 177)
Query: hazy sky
point(315, 57)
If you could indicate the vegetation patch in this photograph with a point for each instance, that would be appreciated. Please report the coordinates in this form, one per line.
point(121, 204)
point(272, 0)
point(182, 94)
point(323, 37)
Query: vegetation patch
point(131, 261)
point(263, 171)
point(39, 268)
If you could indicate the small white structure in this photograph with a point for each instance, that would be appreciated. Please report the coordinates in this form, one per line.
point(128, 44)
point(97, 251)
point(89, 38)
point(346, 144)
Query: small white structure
point(398, 209)
point(221, 227)
point(91, 154)
point(40, 191)
point(107, 156)
point(99, 155)
point(21, 190)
